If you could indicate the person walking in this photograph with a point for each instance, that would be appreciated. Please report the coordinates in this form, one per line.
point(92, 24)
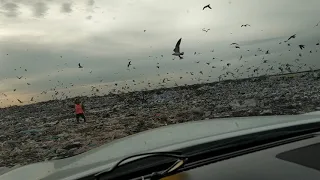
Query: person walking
point(79, 108)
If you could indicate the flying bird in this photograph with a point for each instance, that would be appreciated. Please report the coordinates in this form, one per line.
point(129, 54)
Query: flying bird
point(129, 64)
point(234, 44)
point(207, 6)
point(206, 30)
point(245, 25)
point(291, 37)
point(19, 101)
point(301, 46)
point(19, 77)
point(80, 65)
point(177, 50)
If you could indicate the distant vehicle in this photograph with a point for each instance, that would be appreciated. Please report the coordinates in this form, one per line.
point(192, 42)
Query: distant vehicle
point(268, 147)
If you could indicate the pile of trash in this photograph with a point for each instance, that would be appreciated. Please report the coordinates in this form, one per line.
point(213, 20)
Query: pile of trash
point(48, 130)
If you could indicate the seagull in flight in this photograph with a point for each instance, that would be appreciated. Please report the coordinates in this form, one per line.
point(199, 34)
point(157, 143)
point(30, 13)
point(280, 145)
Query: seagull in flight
point(207, 6)
point(291, 37)
point(245, 25)
point(301, 46)
point(177, 50)
point(80, 65)
point(206, 30)
point(129, 64)
point(19, 77)
point(234, 44)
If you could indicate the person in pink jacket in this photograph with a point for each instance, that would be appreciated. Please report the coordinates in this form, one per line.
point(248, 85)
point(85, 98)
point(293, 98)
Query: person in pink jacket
point(79, 108)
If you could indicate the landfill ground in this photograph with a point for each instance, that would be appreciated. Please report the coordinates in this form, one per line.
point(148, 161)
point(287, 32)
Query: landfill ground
point(48, 130)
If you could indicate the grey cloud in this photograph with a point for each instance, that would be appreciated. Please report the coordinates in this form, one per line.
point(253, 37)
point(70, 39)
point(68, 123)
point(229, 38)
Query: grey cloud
point(10, 9)
point(91, 2)
point(66, 8)
point(40, 9)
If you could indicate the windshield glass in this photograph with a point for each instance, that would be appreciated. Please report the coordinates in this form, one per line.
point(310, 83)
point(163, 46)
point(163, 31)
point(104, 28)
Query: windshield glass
point(75, 75)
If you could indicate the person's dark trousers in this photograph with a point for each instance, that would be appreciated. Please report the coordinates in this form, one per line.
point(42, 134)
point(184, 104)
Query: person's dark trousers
point(82, 116)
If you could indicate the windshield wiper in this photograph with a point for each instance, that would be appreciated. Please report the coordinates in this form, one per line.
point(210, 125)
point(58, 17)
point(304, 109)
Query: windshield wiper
point(179, 161)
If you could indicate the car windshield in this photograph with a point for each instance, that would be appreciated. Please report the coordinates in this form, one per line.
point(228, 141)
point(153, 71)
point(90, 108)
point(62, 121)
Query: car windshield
point(75, 75)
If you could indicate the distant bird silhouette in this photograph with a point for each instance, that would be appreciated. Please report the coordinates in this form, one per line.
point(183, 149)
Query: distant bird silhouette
point(19, 77)
point(207, 6)
point(28, 84)
point(267, 52)
point(240, 58)
point(301, 46)
point(291, 37)
point(14, 89)
point(206, 30)
point(318, 44)
point(19, 101)
point(31, 99)
point(245, 25)
point(238, 47)
point(317, 24)
point(234, 44)
point(177, 50)
point(129, 64)
point(80, 65)
point(144, 30)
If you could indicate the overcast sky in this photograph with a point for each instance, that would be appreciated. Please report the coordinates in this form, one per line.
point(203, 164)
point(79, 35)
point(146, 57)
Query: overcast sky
point(49, 38)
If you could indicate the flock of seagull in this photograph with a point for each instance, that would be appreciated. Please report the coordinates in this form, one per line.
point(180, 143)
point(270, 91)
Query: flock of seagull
point(236, 73)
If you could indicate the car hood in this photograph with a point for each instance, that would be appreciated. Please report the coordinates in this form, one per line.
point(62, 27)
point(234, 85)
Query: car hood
point(160, 139)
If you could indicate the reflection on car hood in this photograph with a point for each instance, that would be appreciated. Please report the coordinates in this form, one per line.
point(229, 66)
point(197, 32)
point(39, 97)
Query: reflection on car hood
point(165, 138)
